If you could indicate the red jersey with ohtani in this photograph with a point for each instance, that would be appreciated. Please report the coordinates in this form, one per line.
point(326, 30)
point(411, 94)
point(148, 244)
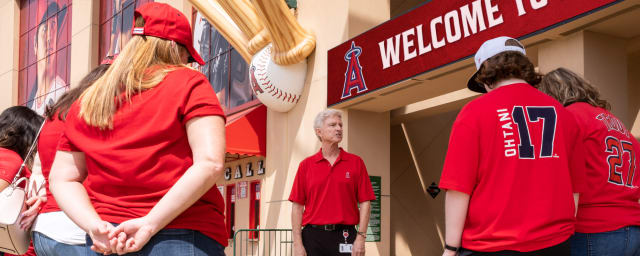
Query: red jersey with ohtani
point(47, 144)
point(132, 166)
point(613, 160)
point(515, 150)
point(331, 193)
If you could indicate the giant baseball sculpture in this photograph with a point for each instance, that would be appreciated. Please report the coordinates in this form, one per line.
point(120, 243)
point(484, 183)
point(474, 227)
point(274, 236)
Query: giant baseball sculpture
point(277, 72)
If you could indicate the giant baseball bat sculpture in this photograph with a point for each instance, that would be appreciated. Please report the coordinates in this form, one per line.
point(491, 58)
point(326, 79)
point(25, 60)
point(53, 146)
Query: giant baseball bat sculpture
point(212, 10)
point(278, 71)
point(244, 15)
point(291, 43)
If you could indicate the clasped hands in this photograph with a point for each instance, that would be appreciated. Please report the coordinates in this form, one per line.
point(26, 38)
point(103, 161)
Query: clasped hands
point(129, 236)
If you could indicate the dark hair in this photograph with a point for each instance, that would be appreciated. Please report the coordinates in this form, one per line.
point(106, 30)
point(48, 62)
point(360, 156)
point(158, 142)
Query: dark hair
point(18, 128)
point(61, 107)
point(505, 65)
point(568, 87)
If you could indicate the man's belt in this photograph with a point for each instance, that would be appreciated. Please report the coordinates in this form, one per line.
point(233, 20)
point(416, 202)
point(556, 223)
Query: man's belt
point(330, 227)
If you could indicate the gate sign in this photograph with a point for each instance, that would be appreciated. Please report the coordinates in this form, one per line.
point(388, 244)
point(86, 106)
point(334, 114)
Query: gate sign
point(435, 34)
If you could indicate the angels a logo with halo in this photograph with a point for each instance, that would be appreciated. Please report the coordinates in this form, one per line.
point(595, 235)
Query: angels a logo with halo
point(353, 78)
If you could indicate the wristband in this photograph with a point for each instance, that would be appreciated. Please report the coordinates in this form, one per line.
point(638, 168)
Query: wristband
point(451, 248)
point(362, 234)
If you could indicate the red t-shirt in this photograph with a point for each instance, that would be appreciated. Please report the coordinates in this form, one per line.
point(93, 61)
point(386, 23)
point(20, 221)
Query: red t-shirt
point(330, 194)
point(613, 160)
point(47, 144)
point(133, 165)
point(10, 163)
point(515, 150)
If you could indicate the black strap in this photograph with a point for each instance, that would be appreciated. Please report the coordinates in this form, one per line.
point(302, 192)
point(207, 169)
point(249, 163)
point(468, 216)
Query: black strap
point(451, 248)
point(24, 161)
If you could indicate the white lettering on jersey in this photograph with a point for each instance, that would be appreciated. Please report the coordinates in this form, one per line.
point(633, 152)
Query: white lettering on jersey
point(507, 132)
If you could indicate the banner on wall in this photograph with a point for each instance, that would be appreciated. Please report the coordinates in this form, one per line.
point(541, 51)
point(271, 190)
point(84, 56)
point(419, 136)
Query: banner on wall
point(435, 34)
point(44, 56)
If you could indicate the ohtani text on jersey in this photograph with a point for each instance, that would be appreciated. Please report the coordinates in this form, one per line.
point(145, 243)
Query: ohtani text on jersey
point(507, 132)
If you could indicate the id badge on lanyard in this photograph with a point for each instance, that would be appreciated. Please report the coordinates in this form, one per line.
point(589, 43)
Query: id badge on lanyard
point(346, 247)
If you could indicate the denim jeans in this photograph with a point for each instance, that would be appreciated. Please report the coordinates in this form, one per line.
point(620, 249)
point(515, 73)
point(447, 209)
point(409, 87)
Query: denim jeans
point(46, 246)
point(172, 242)
point(621, 242)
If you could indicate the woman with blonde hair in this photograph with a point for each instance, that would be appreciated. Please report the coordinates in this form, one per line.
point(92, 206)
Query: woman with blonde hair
point(608, 220)
point(148, 137)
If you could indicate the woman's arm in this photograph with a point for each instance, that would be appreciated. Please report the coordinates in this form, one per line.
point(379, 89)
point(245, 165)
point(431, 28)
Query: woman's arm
point(65, 182)
point(37, 194)
point(207, 141)
point(3, 184)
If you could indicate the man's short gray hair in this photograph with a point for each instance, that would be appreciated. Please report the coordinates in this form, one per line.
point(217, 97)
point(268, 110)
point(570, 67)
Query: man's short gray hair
point(317, 124)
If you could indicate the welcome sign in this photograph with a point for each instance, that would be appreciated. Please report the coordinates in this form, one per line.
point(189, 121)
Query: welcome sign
point(435, 34)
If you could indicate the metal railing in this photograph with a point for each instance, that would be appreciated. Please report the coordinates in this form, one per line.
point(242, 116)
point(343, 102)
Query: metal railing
point(263, 242)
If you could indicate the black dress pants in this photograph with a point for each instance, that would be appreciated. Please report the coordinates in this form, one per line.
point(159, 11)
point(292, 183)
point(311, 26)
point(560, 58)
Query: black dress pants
point(319, 242)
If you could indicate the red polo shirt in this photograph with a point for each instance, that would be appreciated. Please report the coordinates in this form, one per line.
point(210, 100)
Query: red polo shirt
point(131, 167)
point(613, 162)
point(519, 154)
point(47, 143)
point(330, 194)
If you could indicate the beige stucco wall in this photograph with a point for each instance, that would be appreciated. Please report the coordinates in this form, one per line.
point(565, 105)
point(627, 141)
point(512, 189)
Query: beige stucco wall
point(9, 46)
point(600, 58)
point(369, 137)
point(633, 71)
point(84, 38)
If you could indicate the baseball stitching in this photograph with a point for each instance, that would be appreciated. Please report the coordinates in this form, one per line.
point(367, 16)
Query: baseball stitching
point(262, 75)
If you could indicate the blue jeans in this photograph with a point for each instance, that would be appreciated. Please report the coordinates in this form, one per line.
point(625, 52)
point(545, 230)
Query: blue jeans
point(622, 242)
point(46, 246)
point(172, 242)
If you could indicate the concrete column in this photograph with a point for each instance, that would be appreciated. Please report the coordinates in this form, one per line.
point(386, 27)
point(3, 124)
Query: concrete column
point(85, 31)
point(9, 50)
point(290, 136)
point(600, 58)
point(368, 136)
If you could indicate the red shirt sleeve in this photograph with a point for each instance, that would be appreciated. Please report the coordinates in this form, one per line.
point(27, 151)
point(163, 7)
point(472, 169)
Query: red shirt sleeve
point(9, 166)
point(365, 190)
point(201, 100)
point(64, 144)
point(298, 191)
point(461, 163)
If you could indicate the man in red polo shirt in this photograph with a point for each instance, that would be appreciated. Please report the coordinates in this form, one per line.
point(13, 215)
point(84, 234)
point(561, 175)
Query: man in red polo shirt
point(326, 192)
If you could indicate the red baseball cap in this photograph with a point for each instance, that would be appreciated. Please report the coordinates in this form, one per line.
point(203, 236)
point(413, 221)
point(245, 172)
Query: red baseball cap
point(163, 21)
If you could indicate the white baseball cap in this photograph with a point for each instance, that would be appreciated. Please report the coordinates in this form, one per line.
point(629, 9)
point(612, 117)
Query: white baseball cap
point(489, 49)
